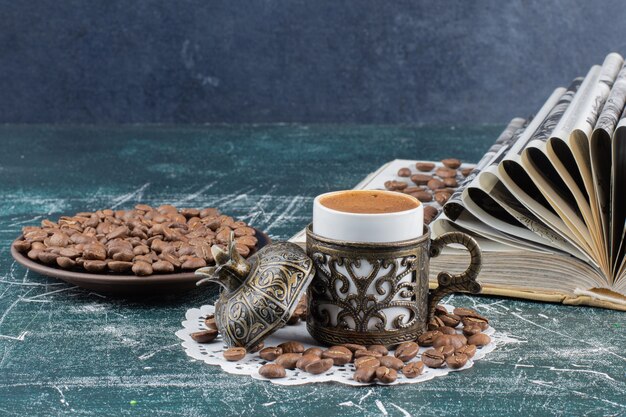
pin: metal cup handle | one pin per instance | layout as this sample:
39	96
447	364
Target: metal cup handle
448	283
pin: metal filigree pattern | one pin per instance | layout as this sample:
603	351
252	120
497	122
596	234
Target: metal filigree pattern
378	293
278	275
367	293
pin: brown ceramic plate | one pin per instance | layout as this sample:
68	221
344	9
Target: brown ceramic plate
122	284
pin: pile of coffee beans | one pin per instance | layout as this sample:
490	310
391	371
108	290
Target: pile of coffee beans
142	241
430	184
447	348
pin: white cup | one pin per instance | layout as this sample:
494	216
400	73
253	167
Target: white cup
368	227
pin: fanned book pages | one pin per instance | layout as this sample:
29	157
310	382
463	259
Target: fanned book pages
547	202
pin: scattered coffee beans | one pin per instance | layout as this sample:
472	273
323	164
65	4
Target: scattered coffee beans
339	354
456	361
469	350
305	360
270	353
378	348
272	370
479	340
144	240
234	354
354	347
406	351
386	375
314	351
413	369
292	347
433	358
365	375
391	362
288	360
366	361
319	366
204	336
361	353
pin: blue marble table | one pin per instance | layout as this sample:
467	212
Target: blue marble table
66	351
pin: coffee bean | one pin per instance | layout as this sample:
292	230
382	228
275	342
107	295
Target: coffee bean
479	340
435	323
366	361
365	375
462	312
430	213
314	351
451	320
435	184
471	330
433	358
319	366
395	185
469	350
450	182
378	348
451	163
141	268
442	197
94	266
69	253
413	369
292	347
446	350
443	172
386	375
209	322
306	360
454	340
354	347
410	190
339	354
21	245
95	252
193	263
362	353
423	196
483	323
446	330
65	262
427	338
270	353
391	362
456	361
424	166
204	336
162	267
272	371
288	360
404	172
421	179
406	351
234	354
119	266
440	310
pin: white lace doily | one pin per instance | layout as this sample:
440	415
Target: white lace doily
211	353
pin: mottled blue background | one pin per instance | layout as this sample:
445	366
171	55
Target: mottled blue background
193	61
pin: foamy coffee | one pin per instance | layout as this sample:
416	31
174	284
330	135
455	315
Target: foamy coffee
369	202
367	216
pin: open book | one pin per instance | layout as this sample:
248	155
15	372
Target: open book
547	203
